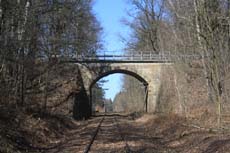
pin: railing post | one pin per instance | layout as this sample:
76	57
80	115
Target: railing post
150	56
141	55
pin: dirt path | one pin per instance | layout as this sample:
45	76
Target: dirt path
109	137
122	133
77	140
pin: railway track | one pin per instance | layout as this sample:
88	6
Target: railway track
87	149
102	130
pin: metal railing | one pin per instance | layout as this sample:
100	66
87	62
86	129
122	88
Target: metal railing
134	57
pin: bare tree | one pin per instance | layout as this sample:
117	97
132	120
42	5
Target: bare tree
33	35
172	27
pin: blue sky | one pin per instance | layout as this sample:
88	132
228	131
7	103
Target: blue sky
109	13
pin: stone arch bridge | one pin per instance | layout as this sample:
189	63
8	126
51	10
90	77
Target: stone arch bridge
149	74
147	68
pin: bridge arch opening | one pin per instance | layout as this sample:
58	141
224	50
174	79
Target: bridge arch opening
127	72
143	84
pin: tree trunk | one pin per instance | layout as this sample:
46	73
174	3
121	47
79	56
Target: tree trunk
46	92
203	49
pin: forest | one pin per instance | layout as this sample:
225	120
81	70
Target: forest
194	27
37	91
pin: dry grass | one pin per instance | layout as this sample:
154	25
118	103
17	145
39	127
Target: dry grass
177	134
22	130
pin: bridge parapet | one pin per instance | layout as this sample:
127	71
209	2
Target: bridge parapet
145	57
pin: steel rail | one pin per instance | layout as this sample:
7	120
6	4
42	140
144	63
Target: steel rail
92	140
87	149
